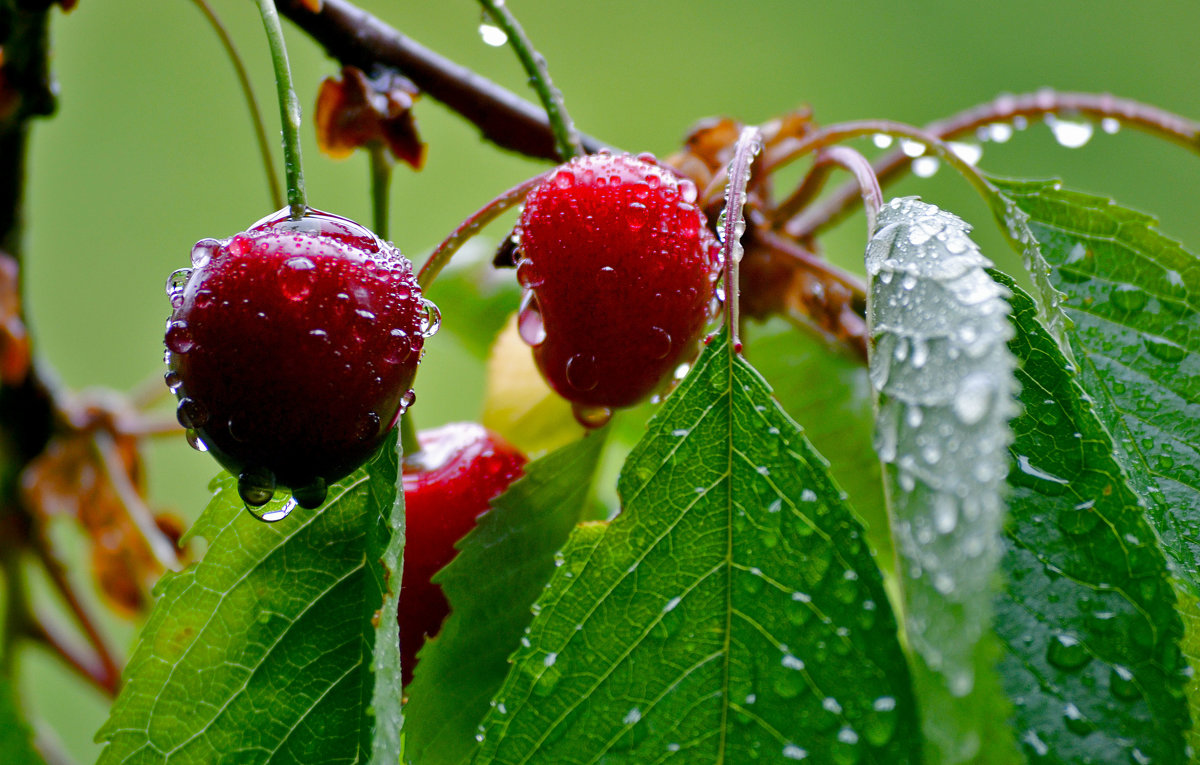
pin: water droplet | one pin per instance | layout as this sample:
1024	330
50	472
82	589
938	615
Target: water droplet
176	283
973	398
636	215
1069	133
1164	350
793	752
591	417
925	167
1123	685
581	372
1110	125
430	318
945	513
191	413
1067	653
399	348
492	35
658	343
275	514
1127	297
173	380
203	251
1075	720
970	153
256	486
999	132
179	337
408	399
529	320
296	278
882	140
311	496
880	724
911	148
194	441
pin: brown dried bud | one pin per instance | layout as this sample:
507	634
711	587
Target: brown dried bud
356	111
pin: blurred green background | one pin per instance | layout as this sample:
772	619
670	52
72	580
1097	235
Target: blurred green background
152	150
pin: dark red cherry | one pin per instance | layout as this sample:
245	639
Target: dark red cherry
619	271
292	348
447	485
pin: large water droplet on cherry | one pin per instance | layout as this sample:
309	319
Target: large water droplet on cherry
430	318
591	417
581	372
529	320
256	486
179	337
296	278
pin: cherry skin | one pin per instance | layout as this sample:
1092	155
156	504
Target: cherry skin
447	485
292	348
619	270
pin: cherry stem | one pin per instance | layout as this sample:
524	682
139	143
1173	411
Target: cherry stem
471	226
381	176
1149	119
409	444
260	131
731	226
289	110
566	138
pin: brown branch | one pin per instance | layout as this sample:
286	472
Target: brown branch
1149	119
356	38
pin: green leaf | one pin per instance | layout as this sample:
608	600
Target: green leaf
501	568
730	613
16	740
1088	618
828	393
1134	298
945	382
278	645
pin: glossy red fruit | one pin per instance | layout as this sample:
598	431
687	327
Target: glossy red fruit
292	348
619	270
447	485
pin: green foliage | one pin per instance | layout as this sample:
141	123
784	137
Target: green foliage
731	612
492	583
1134	298
16	740
1092	654
278	646
945	383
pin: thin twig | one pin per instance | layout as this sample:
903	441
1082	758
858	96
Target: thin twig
355	37
733	225
58	577
260	131
1157	122
864	176
93	669
160	547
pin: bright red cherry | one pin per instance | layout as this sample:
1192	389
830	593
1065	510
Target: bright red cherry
447	485
292	348
619	271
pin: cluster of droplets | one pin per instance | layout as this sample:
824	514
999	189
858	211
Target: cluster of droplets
1069	132
944	376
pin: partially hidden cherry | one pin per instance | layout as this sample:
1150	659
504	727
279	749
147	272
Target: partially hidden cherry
448	484
619	271
292	348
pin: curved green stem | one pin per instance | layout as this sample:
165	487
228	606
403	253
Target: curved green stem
289	110
408	436
381	176
260	131
566	137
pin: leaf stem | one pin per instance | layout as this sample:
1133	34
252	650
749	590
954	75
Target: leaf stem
566	138
260	131
289	110
381	176
732	225
471	226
